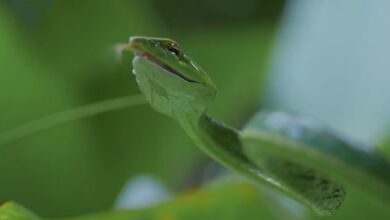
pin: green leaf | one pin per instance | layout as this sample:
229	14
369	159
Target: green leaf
227	200
13	211
314	161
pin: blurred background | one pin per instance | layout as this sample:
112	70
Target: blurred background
328	60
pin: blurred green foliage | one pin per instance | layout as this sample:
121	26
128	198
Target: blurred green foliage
56	55
203	13
233	199
226	200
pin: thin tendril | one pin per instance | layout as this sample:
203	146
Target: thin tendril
66	116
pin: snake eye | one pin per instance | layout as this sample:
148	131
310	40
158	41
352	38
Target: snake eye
174	49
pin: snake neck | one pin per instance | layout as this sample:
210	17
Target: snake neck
219	141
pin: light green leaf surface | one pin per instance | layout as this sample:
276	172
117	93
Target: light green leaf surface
13	211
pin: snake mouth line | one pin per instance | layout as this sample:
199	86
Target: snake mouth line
164	66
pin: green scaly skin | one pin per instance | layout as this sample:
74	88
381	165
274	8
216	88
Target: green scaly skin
289	153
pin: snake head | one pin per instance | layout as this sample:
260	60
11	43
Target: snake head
170	80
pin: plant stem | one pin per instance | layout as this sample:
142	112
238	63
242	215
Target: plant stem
66	116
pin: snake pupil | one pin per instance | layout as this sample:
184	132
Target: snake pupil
174	49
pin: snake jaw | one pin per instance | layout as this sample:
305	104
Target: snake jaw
161	64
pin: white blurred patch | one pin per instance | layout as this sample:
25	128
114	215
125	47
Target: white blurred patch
335	68
141	191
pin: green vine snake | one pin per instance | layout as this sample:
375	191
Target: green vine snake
293	154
